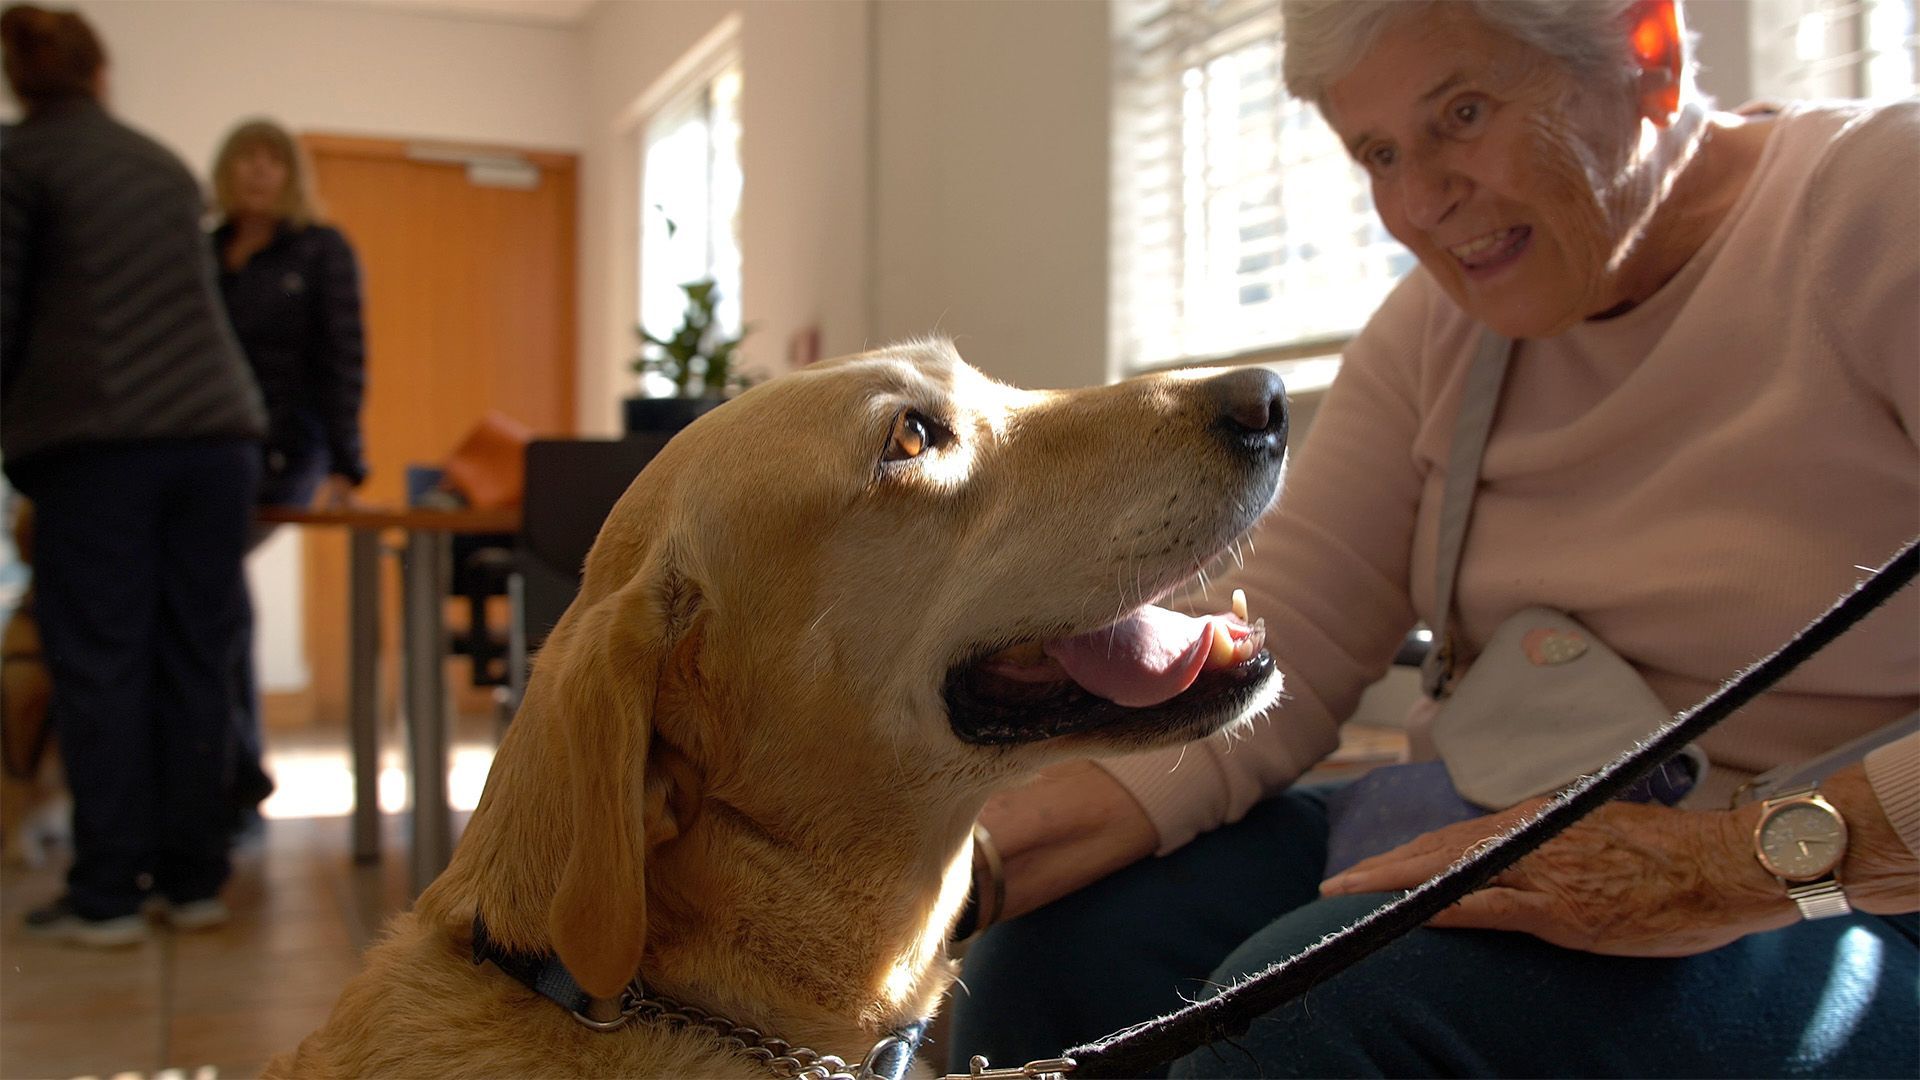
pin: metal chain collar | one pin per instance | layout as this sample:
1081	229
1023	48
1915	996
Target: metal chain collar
783	1059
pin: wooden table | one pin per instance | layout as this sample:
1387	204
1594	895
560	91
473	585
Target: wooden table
425	574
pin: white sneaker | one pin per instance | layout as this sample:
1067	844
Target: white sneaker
59	922
197	914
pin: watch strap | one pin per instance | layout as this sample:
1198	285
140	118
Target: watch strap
1821	899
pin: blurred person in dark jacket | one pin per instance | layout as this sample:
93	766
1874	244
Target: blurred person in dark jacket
128	415
292	290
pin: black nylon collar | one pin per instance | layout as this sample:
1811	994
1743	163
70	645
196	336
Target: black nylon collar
544	975
890	1058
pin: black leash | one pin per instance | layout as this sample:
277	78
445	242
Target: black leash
1138	1049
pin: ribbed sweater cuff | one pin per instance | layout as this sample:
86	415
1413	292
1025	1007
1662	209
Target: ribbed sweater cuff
1894	772
1178	786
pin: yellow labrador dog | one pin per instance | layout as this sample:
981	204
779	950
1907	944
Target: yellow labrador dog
819	629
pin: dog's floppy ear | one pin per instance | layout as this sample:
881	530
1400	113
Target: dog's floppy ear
608	680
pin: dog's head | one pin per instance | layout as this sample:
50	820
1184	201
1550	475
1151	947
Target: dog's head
891	572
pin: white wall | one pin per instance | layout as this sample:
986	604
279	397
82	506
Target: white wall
184	71
992	177
1724	51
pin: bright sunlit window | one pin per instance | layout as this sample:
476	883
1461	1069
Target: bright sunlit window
1835	49
690	200
1240	225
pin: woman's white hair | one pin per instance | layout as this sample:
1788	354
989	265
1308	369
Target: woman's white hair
1325	38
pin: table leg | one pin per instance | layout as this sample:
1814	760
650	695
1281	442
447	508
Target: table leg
426	584
363	696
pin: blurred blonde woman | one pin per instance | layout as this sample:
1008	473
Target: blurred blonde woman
292	288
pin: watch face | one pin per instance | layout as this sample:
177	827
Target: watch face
1802	841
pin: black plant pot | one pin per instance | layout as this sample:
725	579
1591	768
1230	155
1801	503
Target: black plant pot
653	416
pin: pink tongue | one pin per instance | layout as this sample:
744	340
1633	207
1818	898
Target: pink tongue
1145	659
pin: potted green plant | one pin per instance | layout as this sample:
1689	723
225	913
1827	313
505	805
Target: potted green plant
698	363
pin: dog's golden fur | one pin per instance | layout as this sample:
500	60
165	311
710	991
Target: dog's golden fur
733	771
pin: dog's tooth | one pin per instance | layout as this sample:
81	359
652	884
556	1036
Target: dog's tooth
1246	645
1240	604
1220	652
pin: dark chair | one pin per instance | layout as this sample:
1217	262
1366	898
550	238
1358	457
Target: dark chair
483	567
572	484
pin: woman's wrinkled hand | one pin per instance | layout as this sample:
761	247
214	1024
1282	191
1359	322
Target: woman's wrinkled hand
1070	826
1627	880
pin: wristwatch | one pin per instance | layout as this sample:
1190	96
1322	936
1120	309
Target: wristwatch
1801	839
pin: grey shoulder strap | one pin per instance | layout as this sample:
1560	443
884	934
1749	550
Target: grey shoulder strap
1478	401
1813	770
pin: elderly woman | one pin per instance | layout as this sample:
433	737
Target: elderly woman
1708	424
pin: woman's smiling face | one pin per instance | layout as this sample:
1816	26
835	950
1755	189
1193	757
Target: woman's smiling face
1510	181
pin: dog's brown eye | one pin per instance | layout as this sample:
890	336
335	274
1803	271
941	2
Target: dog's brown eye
910	437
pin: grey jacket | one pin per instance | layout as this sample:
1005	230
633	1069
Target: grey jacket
111	326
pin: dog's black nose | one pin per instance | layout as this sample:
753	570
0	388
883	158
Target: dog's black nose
1251	404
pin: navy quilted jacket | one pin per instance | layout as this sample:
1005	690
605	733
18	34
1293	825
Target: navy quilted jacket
111	326
296	308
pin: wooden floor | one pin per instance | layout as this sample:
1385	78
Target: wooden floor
214	1003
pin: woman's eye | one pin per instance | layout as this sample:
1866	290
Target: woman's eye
1466	113
912	434
1379	157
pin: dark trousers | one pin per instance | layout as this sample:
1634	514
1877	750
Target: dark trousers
1838	997
142	603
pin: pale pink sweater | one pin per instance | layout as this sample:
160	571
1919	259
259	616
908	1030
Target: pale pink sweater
1693	481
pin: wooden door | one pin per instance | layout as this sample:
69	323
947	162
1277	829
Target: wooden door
469	294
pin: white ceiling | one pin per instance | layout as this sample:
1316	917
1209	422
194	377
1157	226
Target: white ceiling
547	12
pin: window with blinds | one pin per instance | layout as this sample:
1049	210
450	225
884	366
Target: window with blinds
1240	226
1834	49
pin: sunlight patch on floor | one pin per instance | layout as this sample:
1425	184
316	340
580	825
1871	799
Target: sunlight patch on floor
311	783
1844	1003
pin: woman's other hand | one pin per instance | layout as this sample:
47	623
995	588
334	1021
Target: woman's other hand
1636	880
1627	880
334	493
1070	826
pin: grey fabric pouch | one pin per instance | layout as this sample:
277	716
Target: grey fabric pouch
1545	703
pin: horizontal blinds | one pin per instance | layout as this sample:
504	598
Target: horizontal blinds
1239	222
1834	49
